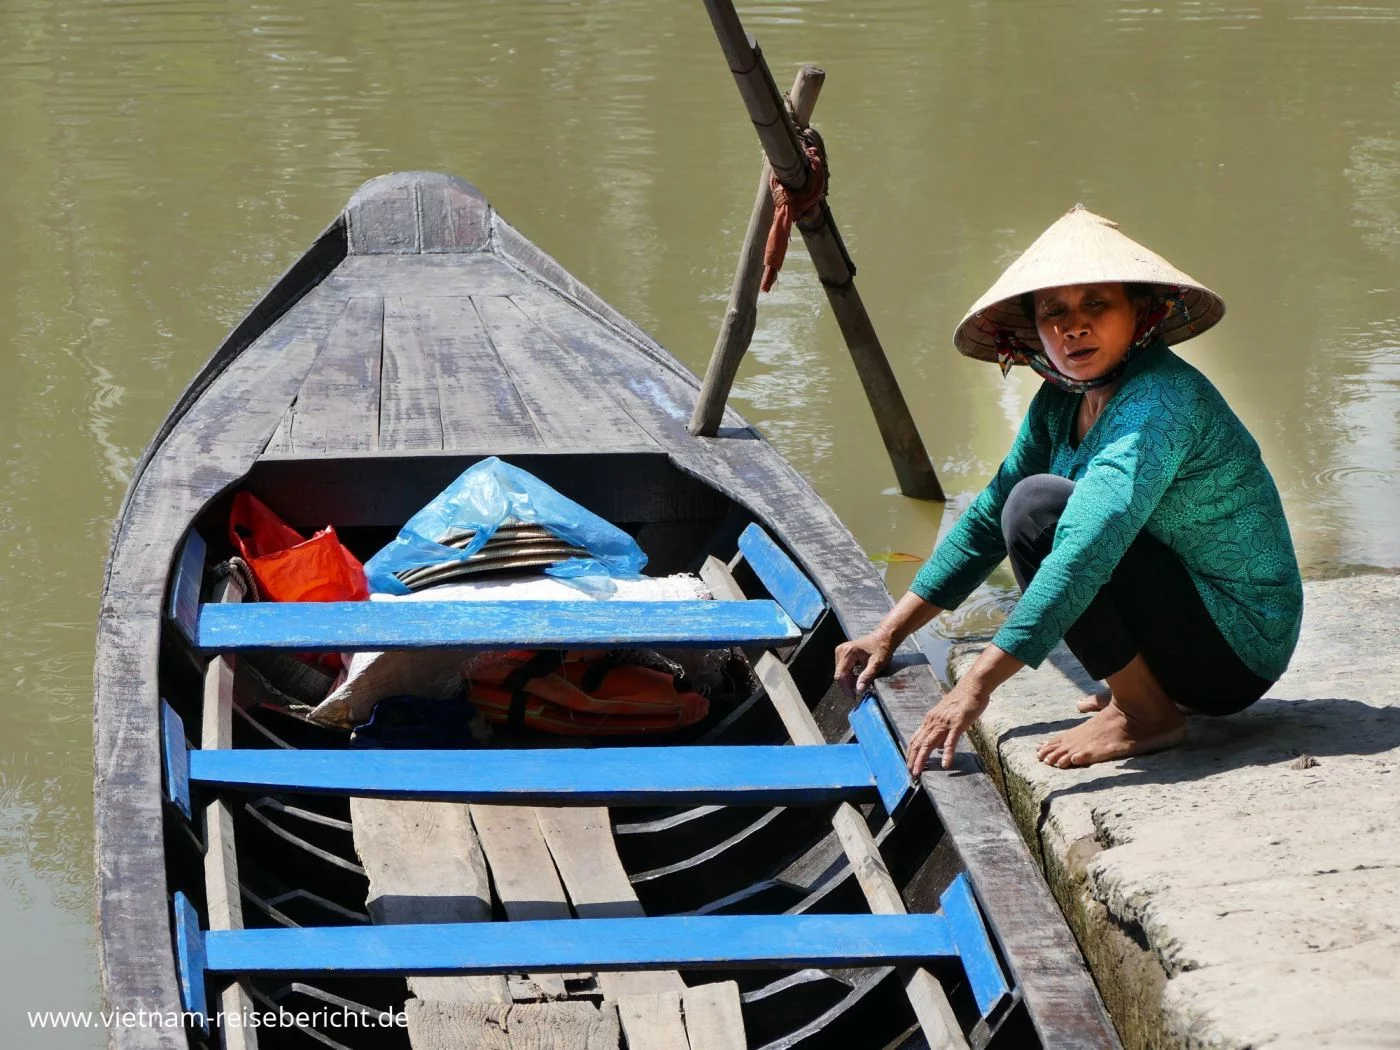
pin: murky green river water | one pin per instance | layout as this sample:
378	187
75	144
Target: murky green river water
163	161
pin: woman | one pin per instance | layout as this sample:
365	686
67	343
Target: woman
1142	525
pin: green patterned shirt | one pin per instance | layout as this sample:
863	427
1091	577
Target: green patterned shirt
1167	455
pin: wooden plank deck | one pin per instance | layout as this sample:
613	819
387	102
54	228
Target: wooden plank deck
425	864
337	409
713	1017
526	883
425	276
581	844
585	853
426	370
569	404
436	862
512	1026
653	1022
478	400
409	417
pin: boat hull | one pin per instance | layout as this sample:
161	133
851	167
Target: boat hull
420	334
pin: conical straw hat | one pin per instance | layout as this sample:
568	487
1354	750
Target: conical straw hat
1080	248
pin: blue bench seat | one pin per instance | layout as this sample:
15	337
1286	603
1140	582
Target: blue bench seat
584	624
554	946
869	770
357	626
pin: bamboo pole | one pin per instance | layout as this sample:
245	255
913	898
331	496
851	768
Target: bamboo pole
778	135
736	330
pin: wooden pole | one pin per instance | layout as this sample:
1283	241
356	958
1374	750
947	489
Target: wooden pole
737	328
778	135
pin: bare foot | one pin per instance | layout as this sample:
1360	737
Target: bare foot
1096	701
1112	733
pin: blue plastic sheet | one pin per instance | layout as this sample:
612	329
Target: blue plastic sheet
484	497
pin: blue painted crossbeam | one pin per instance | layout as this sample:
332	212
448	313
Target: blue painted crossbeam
617	776
688	776
668	942
356	626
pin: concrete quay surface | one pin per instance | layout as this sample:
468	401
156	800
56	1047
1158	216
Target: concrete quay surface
1242	890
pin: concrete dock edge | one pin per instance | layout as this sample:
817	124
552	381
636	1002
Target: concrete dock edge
1242	890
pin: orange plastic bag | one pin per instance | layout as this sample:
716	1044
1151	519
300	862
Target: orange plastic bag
289	568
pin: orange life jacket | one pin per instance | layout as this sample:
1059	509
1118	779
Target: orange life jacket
581	693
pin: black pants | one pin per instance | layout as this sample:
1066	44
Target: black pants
1148	606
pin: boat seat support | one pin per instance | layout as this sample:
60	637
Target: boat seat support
787	583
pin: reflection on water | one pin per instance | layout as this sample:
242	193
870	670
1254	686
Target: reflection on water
164	161
1374	172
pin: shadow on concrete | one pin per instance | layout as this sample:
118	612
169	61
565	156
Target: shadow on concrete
1272	732
1042	728
1068	665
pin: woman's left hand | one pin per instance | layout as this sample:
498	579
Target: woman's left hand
945	722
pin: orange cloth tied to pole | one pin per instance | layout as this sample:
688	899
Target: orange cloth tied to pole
788	207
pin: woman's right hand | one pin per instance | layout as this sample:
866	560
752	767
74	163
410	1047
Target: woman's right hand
858	662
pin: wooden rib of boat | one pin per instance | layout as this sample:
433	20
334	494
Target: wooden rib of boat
420	334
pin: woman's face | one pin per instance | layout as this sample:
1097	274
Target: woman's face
1086	329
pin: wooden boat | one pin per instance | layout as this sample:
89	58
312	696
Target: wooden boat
420	334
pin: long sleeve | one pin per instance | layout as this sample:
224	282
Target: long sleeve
975	545
1149	437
